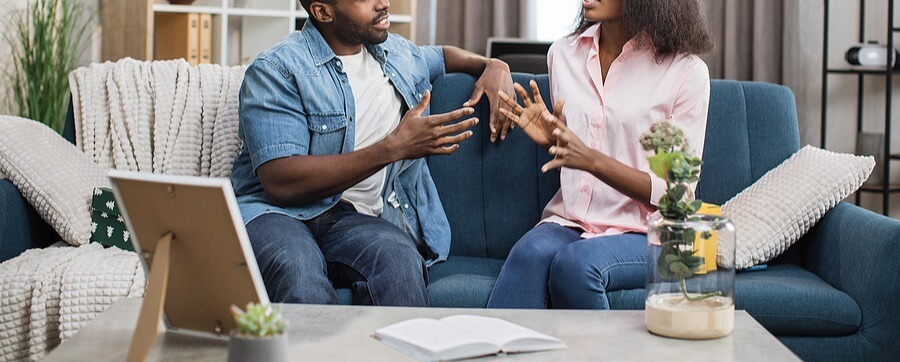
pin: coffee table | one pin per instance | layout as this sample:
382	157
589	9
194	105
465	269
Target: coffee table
343	333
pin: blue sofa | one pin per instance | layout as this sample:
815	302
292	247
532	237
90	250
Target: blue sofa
832	296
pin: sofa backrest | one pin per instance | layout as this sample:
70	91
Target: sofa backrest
494	193
752	128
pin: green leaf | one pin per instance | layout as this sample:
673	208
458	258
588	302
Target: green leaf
661	163
677	192
671	258
681	270
696	205
664	272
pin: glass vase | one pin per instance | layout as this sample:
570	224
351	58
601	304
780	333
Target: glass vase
690	277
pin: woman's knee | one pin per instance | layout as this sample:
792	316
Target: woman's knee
573	266
534	250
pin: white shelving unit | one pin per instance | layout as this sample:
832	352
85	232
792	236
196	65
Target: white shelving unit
244	28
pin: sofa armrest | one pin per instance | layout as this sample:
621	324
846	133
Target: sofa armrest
858	252
20	226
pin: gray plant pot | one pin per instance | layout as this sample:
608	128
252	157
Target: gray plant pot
247	349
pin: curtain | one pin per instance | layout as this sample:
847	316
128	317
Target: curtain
469	23
749	39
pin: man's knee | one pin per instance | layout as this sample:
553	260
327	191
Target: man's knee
391	239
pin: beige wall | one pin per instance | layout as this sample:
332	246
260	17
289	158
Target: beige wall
802	73
5	9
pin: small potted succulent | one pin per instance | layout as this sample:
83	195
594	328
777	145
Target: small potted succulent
690	282
260	334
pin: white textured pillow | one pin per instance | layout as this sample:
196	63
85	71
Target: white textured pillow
773	213
54	176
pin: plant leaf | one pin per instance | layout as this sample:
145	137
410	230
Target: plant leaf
661	163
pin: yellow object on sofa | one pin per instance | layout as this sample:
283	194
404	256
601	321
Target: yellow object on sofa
707	248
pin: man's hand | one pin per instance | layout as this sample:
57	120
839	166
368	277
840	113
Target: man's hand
534	119
493	80
419	136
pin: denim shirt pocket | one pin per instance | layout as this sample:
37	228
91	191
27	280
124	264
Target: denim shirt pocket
420	87
326	133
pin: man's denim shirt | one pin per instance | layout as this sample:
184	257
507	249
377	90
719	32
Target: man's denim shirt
296	100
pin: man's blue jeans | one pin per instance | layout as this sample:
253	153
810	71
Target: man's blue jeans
303	262
552	261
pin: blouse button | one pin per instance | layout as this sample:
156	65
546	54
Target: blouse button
585	189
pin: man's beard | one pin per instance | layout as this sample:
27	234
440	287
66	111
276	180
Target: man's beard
350	33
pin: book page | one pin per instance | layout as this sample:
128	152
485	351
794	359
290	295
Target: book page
510	337
428	339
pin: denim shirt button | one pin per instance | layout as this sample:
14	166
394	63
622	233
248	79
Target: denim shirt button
324	127
405	206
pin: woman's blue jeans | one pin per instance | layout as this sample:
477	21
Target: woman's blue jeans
303	262
551	266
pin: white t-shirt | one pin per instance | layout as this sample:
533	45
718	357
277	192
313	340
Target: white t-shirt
378	107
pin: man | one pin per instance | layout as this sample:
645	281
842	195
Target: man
331	181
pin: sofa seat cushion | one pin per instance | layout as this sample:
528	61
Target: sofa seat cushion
786	299
462	282
459	282
790	300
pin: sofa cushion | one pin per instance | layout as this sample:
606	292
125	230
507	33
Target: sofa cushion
52	174
462	282
790	300
779	208
786	299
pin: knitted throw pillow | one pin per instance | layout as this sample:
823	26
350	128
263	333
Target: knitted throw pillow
773	213
54	177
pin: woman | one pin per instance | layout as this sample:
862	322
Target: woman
629	64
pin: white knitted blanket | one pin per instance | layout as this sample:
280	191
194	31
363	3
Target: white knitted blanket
48	294
162	117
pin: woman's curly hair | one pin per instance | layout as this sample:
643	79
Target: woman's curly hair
673	27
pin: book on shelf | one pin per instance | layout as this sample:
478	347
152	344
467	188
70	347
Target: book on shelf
205	38
178	36
463	336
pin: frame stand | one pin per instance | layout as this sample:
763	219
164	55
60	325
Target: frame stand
150	317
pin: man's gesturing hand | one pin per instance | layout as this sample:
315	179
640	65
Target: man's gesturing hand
493	80
419	136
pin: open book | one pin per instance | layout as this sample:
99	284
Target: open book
463	336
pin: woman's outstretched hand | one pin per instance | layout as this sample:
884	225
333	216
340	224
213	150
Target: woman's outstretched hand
570	152
534	118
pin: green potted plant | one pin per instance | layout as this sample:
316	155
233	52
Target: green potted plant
45	41
690	285
260	335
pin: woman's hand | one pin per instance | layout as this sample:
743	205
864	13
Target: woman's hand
534	119
570	152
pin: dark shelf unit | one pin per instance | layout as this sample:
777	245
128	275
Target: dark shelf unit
886	189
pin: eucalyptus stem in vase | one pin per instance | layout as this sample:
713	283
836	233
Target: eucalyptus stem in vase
673	162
